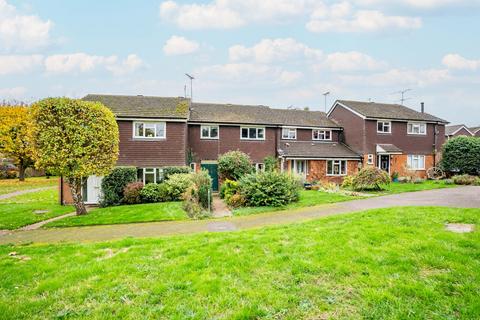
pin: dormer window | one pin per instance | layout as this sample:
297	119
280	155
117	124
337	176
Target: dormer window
417	128
384	127
289	133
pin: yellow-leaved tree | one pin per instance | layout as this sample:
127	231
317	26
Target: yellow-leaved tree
15	123
75	139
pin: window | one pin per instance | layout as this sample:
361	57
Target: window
336	167
289	133
300	167
417	128
259	167
252	133
384	126
416	162
321	134
154	130
370	159
209	132
150	175
193	167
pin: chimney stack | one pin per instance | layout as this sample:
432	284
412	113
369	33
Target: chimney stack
422	107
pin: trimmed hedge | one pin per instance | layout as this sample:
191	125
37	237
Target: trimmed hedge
462	155
114	183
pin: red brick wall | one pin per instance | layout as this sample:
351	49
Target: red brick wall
317	170
398	163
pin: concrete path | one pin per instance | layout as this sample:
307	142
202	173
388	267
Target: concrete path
220	209
18	193
464	197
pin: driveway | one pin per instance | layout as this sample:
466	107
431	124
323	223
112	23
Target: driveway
463	197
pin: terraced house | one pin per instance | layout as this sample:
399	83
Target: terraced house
156	132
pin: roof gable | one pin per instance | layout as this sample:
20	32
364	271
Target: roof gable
452	130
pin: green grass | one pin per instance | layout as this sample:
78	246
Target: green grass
396	187
125	214
12	185
19	211
382	264
308	198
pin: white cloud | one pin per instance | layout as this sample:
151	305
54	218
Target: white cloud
421	4
456	61
289	77
400	77
237	71
19	31
179	45
13	93
12	64
82	62
350	61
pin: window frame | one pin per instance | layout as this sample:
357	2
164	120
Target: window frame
411	158
256	133
383	126
157	174
209	126
290	130
419	124
259	167
193	167
324	134
339	163
294	167
149	123
370	159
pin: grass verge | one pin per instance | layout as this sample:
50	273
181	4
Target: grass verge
12	185
381	264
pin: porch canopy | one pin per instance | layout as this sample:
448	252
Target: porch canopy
388	149
316	150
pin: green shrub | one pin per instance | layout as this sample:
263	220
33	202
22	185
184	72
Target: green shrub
152	192
198	196
270	163
370	178
347	182
114	183
464	179
177	184
234	164
131	193
269	189
448	181
462	155
169	171
228	189
236	201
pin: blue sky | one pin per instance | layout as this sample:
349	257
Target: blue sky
273	52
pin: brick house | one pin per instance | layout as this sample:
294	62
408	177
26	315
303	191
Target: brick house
458	130
475	131
391	136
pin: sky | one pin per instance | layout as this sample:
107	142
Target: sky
280	53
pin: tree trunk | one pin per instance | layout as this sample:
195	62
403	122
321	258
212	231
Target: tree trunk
76	189
21	171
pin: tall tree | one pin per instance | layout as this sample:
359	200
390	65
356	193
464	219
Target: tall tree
15	123
75	139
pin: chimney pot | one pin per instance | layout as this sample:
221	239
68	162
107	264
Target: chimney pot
422	107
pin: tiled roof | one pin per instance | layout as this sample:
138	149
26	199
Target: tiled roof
474	129
451	130
143	106
248	114
306	149
389	148
388	111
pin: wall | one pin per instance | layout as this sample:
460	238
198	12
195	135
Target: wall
306	135
353	126
317	170
152	153
398	164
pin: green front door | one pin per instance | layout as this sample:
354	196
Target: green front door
212	169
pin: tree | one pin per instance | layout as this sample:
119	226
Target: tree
75	139
234	164
15	123
462	155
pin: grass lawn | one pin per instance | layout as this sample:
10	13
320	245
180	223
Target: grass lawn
126	214
396	187
19	211
12	185
382	264
308	198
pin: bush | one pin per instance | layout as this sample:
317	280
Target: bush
131	193
347	182
236	201
170	171
177	184
462	155
228	189
233	165
270	163
370	178
448	181
269	189
464	179
198	197
114	183
152	192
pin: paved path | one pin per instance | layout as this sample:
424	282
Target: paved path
220	209
18	193
466	197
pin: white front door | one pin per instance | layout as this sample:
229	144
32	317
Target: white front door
300	168
94	189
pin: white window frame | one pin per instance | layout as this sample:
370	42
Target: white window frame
295	167
419	125
415	157
339	163
259	167
384	122
193	167
256	134
370	159
320	132
288	136
150	123
209	127
155	170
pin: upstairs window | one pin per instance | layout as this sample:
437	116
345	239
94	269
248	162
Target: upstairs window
289	133
417	128
209	132
152	130
252	133
384	127
336	167
321	134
